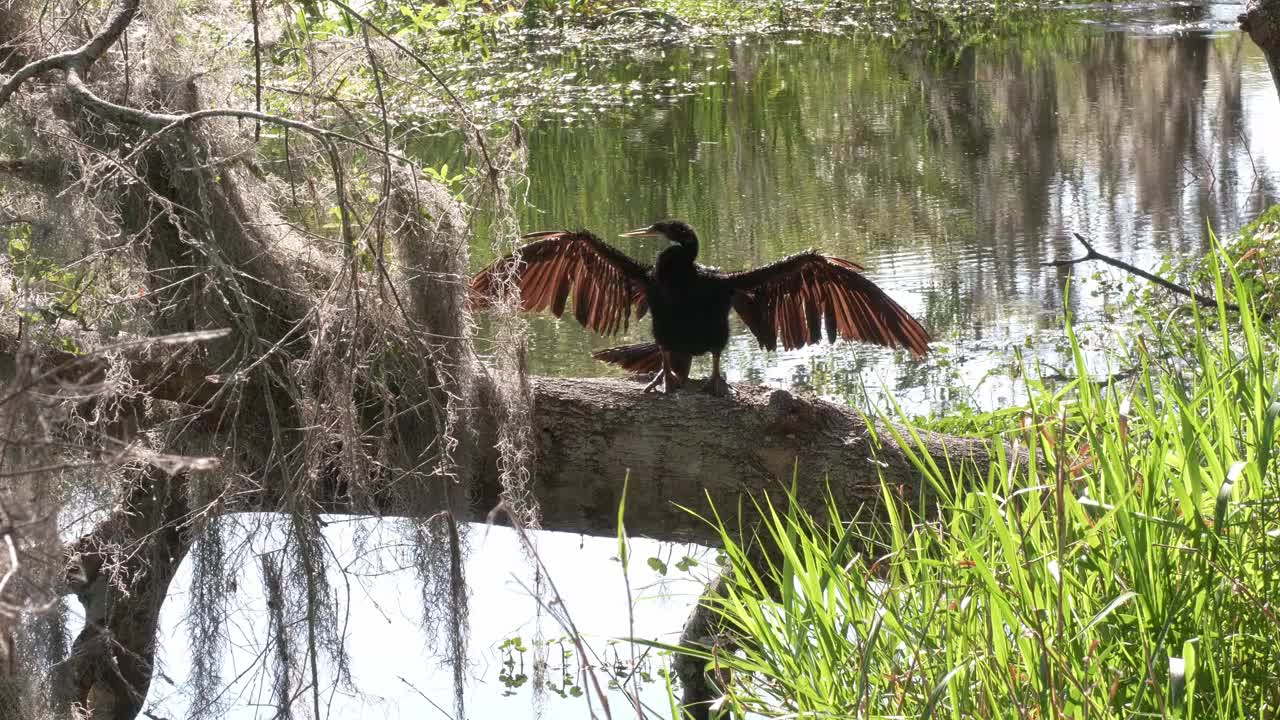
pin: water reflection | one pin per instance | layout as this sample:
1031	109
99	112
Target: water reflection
951	181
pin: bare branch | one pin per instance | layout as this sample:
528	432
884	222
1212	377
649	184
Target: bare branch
493	173
79	59
257	68
1091	253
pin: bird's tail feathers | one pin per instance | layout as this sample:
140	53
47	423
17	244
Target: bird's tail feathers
644	359
637	358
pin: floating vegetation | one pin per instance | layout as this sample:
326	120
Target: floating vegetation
560	61
562	65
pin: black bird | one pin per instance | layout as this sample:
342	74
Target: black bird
793	300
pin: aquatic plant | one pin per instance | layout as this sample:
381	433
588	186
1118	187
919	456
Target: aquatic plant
1120	557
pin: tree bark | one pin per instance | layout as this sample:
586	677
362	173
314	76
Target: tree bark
113	658
690	448
1261	19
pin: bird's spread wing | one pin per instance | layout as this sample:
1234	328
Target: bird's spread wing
798	297
606	284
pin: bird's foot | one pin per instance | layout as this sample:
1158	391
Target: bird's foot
664	381
717	386
657	380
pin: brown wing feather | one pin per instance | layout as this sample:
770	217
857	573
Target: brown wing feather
795	299
606	285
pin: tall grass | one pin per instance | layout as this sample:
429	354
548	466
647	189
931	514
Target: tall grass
1118	560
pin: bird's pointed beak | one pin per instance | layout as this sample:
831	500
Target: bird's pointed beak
641	232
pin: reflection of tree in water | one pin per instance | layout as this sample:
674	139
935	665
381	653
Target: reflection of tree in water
1108	134
951	178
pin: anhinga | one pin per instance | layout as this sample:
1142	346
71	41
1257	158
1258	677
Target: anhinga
793	300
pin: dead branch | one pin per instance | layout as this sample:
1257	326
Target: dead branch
75	61
1092	253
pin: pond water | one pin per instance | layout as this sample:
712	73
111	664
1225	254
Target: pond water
951	179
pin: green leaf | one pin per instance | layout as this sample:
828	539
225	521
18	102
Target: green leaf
1189	672
1111	607
936	694
1224	497
1177	680
622	529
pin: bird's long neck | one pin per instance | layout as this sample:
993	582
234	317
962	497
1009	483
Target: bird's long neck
677	259
686	251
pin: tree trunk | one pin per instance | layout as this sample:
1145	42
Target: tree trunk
1261	19
113	657
688	448
679	450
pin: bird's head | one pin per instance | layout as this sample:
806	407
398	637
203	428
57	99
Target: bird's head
676	231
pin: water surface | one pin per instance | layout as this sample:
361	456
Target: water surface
951	179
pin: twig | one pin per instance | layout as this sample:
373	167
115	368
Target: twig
561	615
1092	254
1245	142
174	339
124	49
380	214
288	166
14	562
493	173
257	69
424	697
624	556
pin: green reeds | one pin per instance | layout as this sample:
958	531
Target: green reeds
1118	559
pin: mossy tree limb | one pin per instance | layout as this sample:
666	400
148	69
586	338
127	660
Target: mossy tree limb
680	451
